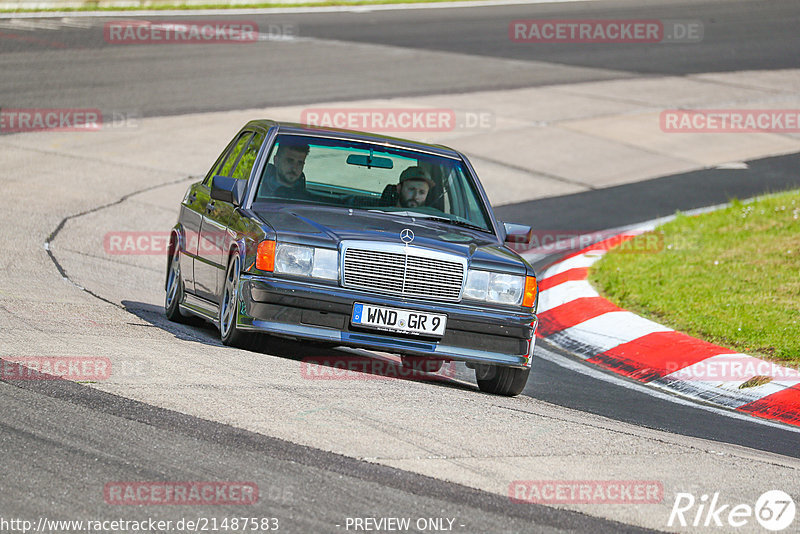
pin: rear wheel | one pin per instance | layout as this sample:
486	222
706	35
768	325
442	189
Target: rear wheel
500	380
229	307
425	365
174	287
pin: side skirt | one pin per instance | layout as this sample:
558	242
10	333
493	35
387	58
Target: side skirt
205	309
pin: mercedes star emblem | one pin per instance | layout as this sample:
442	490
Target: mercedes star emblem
406	236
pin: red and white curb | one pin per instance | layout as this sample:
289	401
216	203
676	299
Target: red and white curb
573	316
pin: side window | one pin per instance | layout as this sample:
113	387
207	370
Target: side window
233	155
217	166
248	158
455	195
474	212
227	158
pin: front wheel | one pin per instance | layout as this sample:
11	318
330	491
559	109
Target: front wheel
229	307
500	380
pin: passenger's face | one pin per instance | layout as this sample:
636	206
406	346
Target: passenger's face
289	165
413	193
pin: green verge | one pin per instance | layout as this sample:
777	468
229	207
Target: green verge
730	277
93	6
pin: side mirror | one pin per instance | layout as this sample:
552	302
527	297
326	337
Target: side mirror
228	189
517	235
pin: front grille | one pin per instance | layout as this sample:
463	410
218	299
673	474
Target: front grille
410	273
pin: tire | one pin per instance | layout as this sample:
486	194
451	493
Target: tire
229	307
422	364
174	287
501	380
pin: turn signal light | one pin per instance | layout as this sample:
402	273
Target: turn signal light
265	257
530	292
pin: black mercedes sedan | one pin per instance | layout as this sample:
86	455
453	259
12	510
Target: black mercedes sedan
359	240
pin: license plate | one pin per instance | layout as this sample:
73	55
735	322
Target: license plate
399	320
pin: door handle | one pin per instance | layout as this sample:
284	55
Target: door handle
191	198
210	207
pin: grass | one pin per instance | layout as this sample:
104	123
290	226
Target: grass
730	277
93	6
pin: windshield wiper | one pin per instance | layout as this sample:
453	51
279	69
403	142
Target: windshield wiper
459	222
438	218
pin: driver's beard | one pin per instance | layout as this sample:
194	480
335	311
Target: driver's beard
284	182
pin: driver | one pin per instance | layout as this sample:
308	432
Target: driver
414	186
285	177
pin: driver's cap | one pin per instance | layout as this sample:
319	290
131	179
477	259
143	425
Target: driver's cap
416	173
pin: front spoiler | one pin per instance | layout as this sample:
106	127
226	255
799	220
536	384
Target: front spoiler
306	310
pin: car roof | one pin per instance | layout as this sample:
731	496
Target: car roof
335	133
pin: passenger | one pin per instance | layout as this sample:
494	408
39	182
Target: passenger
414	186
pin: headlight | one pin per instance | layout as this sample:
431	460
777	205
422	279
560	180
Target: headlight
326	264
494	287
298	260
477	285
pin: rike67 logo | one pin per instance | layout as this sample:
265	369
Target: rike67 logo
774	510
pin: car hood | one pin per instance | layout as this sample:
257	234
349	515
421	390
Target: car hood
325	226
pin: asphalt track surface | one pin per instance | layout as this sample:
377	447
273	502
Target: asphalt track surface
76	67
62	442
51	453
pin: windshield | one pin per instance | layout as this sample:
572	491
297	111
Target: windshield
361	175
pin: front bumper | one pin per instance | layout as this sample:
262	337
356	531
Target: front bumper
309	310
